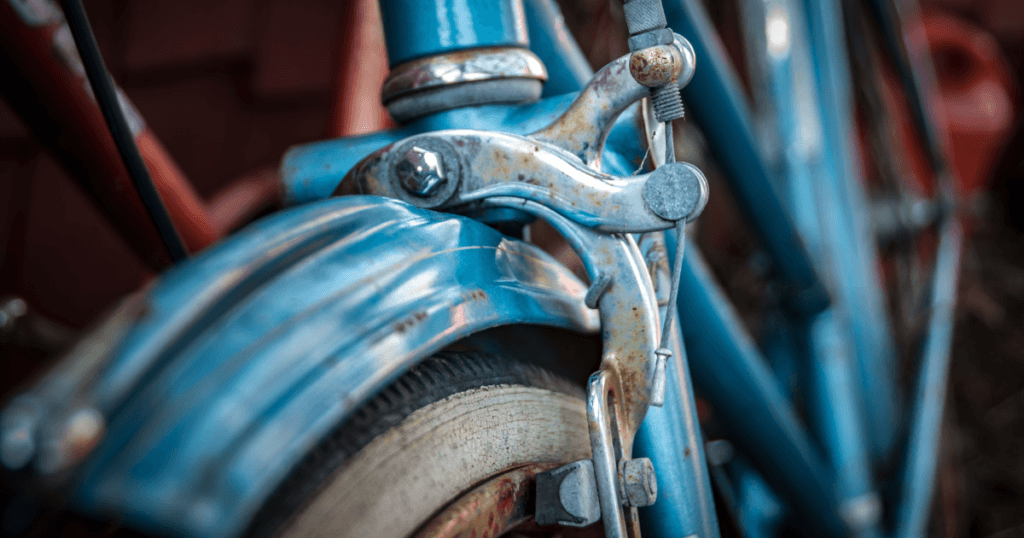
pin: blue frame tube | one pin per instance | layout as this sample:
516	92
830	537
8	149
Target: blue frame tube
848	237
716	101
550	39
836	418
417	28
731	372
918	474
833	399
670	436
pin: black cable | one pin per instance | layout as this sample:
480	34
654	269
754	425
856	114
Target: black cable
106	98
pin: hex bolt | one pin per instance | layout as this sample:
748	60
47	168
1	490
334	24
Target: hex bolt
421	172
638	486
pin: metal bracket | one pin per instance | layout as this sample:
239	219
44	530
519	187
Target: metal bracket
555	174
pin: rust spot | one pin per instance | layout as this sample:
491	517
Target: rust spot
410	321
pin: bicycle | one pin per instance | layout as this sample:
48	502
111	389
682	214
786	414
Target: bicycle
278	359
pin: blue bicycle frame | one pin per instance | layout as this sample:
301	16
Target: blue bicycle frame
811	212
825	474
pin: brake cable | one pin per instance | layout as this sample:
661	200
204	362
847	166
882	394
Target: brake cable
106	99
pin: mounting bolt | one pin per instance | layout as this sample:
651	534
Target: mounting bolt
421	172
638	486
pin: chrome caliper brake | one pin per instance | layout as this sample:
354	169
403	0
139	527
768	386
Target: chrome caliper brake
555	174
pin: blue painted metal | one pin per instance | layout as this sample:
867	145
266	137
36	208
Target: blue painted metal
833	413
715	99
759	510
249	353
550	39
917	480
833	402
733	375
778	342
847	233
670	436
417	28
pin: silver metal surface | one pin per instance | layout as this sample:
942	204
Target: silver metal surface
605	455
658	385
668	103
463	78
618	394
628	312
581	130
651	62
421	171
676	191
501	164
643	15
537	167
638	486
663	36
568	496
555	174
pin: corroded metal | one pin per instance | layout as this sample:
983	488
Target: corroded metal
490	510
501	164
637	484
581	130
555	174
656	66
537	168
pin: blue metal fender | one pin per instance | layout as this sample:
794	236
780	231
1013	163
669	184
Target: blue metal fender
250	353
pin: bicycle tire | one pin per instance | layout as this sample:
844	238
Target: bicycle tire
452	421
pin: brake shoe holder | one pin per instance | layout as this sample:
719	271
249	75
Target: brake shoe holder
555	174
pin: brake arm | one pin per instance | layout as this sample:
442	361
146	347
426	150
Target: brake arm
555	174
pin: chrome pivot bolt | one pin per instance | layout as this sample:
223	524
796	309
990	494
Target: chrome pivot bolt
421	172
638	485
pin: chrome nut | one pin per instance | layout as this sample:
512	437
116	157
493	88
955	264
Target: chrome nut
638	486
656	66
421	172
